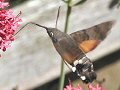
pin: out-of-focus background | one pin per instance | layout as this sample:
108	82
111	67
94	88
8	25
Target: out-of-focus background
32	62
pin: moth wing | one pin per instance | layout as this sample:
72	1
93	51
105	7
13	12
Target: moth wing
88	39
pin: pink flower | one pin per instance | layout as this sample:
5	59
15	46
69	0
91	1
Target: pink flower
90	87
95	88
8	25
3	4
70	87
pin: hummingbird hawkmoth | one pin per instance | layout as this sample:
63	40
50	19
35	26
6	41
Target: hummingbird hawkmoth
73	47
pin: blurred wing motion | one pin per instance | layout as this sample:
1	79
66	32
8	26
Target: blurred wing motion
88	39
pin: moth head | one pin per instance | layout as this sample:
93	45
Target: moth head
55	34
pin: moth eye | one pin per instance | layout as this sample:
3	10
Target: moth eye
51	34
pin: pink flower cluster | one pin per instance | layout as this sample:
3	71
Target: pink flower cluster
8	25
90	87
70	87
3	4
98	87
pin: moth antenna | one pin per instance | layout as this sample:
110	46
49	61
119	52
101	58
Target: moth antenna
58	13
30	23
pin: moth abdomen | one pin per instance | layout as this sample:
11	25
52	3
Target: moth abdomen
84	69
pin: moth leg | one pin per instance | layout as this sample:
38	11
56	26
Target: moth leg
72	68
69	66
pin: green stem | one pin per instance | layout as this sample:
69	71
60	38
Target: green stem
62	75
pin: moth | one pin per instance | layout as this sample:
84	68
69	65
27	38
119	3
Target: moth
73	47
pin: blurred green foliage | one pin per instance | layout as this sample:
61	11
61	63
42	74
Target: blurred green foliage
80	2
15	2
74	2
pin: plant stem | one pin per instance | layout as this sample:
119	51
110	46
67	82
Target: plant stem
62	75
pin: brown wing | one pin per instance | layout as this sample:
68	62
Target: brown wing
88	39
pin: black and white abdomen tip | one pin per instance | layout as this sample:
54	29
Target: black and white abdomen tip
84	69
